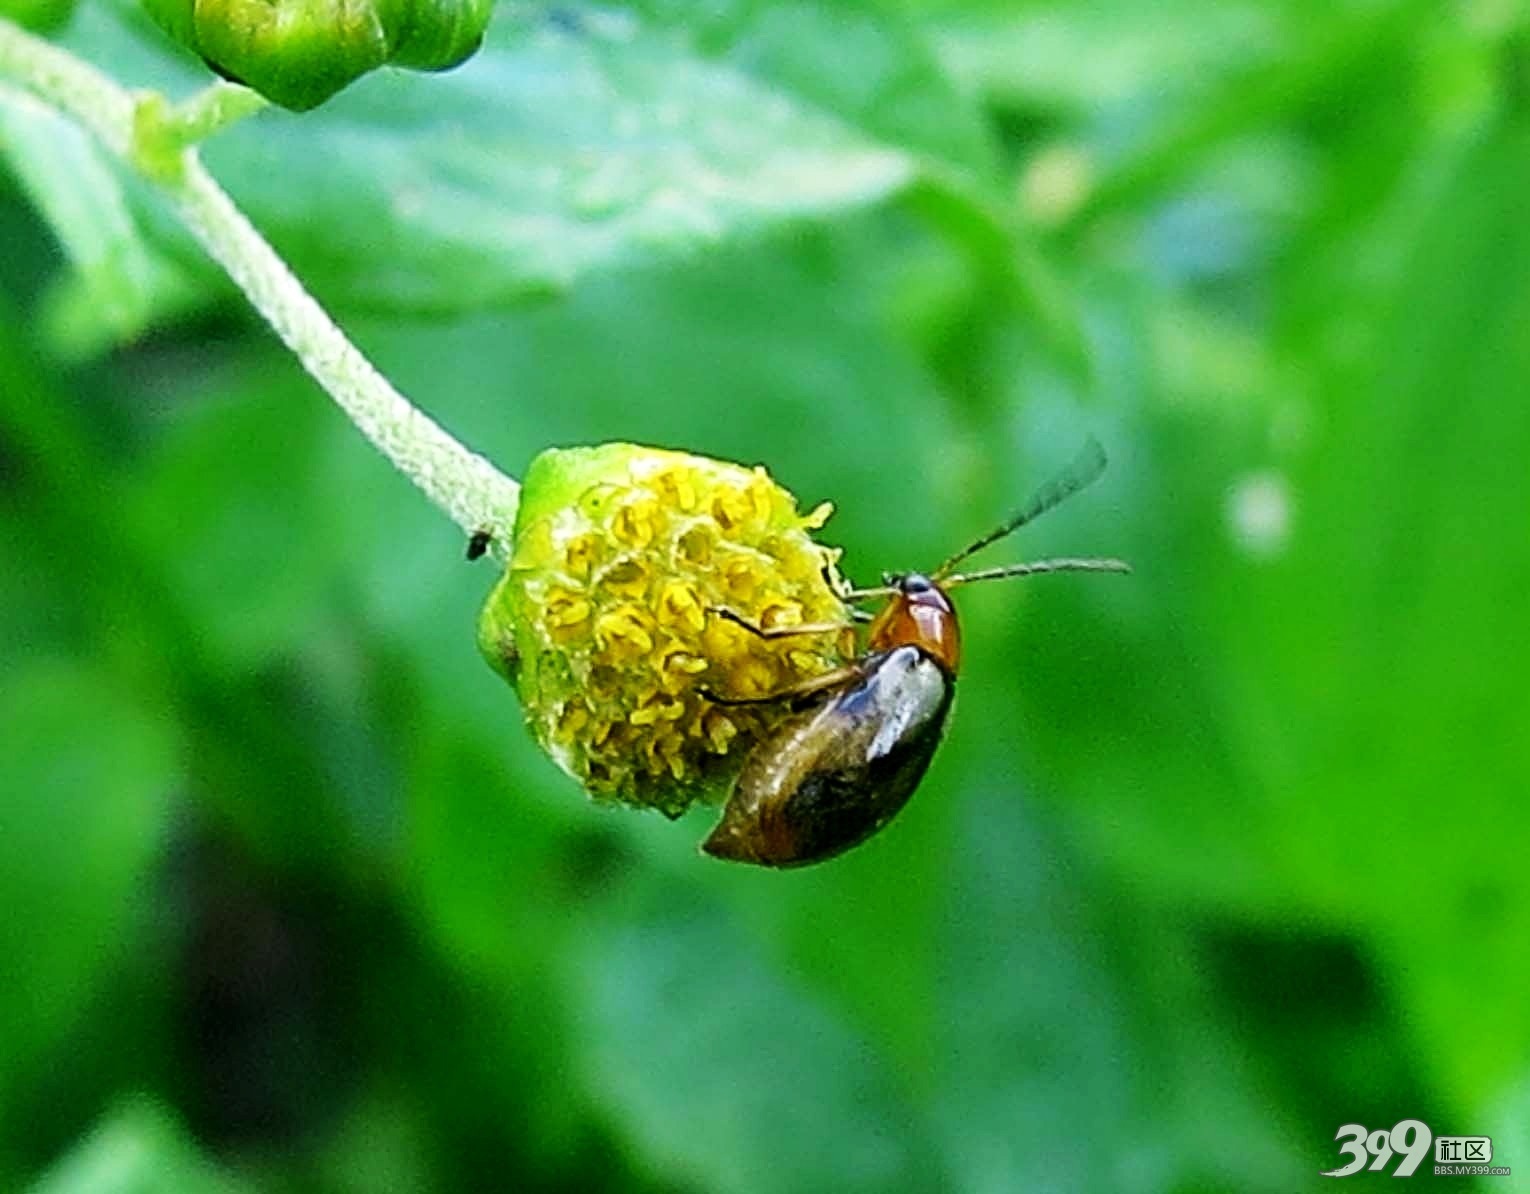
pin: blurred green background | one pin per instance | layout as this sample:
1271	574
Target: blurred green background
1215	859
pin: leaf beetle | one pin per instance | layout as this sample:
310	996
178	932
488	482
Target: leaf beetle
862	736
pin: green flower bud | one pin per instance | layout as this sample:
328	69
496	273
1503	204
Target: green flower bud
298	53
605	618
441	33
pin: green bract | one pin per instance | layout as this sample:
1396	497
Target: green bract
298	53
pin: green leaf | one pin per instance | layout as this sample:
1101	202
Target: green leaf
565	145
39	15
137	1149
574	143
554	151
122	282
1327	724
1413	521
120	37
230	512
87	775
729	1076
867	62
1040	1041
1085	58
31	594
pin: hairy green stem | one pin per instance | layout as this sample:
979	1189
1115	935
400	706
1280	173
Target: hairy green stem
72	86
153	139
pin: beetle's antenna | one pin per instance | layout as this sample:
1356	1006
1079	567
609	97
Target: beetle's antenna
1062	564
1086	468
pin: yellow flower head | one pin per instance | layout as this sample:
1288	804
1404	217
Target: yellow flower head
605	618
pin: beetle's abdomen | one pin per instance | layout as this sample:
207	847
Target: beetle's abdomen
834	775
835	810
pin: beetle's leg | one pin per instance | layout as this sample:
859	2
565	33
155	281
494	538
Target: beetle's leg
843	589
738	619
868	594
802	688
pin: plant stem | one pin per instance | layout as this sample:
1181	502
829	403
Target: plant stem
466	486
213	109
72	86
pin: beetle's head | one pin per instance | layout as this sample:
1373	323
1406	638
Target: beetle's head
908	584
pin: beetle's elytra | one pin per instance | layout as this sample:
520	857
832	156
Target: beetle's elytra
849	759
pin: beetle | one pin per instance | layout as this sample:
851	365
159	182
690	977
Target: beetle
862	736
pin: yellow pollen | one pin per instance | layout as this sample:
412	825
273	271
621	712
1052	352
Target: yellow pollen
623	630
627	578
818	516
566	609
805	663
575	716
649	710
636	522
776	614
741	577
675	489
680	607
753	677
694	546
684	662
720	730
582	554
731	509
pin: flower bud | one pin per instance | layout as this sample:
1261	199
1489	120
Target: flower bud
606	617
298	53
441	33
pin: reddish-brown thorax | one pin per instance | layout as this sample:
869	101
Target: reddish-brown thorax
919	615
